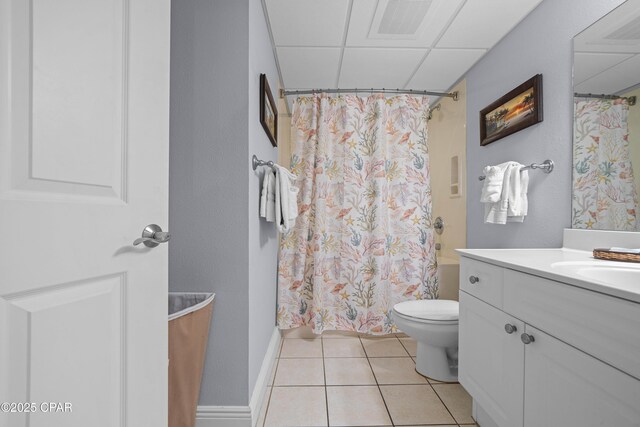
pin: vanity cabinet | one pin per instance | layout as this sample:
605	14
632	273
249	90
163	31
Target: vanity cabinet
566	387
544	353
491	360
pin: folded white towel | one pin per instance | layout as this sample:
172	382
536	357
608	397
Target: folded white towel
492	187
518	202
625	250
268	196
512	205
514	201
286	199
496	212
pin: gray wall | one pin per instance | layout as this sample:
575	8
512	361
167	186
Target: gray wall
209	207
263	239
540	44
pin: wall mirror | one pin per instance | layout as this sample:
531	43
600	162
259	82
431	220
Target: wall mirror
606	131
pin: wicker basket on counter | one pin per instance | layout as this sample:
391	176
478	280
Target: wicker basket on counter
616	256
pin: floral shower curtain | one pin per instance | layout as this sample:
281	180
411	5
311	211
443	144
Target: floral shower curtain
604	195
363	240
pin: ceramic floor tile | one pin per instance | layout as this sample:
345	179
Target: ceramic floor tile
383	347
348	371
297	407
300	372
348	347
301	348
457	400
339	334
301	332
415	404
410	345
356	406
396	370
373	337
272	374
402	335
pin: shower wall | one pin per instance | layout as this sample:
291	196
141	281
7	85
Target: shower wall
447	145
448	139
284	134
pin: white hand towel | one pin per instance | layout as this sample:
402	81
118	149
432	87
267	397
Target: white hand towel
496	213
513	204
286	199
514	199
268	196
521	208
492	186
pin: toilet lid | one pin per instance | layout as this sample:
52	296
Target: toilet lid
442	310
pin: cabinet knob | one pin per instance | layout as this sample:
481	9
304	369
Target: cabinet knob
527	339
509	328
474	279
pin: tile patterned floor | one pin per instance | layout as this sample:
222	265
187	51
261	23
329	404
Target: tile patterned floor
340	379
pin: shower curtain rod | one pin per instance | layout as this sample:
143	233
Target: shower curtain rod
452	95
631	99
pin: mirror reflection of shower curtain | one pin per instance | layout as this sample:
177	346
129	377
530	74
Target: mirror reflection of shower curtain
604	193
364	238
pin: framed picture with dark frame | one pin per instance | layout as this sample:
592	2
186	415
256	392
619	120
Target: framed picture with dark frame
268	111
516	110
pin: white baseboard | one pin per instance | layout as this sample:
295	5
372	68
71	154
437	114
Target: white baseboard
260	389
480	416
243	416
223	416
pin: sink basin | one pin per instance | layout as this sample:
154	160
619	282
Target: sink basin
601	271
611	274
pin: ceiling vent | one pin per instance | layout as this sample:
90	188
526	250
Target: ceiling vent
399	19
629	31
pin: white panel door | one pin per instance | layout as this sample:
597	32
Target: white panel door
84	103
491	361
566	387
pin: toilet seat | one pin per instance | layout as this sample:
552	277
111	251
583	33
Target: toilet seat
429	311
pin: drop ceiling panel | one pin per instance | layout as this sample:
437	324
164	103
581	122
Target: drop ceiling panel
482	23
587	65
613	80
386	40
443	67
309	67
365	22
307	22
606	35
377	68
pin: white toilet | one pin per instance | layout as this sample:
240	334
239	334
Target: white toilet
434	325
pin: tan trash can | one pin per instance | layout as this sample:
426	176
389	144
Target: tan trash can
189	320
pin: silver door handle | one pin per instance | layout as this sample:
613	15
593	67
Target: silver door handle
152	236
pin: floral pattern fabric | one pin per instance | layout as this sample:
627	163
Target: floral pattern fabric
363	240
604	194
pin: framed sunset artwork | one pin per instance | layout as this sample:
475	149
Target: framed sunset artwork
516	110
268	111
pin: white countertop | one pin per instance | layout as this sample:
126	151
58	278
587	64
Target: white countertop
544	263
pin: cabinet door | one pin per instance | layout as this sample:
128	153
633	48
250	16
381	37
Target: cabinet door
491	361
566	387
